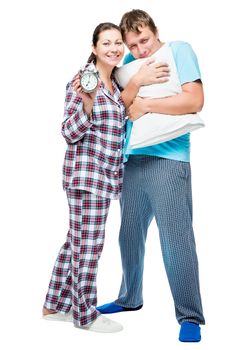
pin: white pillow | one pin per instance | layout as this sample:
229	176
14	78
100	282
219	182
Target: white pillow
154	128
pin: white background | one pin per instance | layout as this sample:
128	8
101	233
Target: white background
43	44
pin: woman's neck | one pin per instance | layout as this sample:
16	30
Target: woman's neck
105	75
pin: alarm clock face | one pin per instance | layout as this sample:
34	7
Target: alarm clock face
89	81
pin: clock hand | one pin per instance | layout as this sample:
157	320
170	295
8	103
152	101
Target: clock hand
88	82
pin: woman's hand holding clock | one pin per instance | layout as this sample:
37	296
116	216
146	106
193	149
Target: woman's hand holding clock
88	83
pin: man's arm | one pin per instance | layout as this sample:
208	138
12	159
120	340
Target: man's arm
190	100
149	73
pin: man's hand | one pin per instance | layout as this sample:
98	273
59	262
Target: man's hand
152	73
137	109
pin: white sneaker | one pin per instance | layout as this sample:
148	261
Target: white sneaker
103	325
57	316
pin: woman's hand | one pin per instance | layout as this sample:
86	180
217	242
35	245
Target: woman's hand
152	73
88	98
137	109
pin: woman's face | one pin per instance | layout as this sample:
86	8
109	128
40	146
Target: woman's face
110	48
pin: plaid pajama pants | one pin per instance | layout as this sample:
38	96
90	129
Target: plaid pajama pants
73	281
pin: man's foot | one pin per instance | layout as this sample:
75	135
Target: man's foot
112	308
190	332
103	325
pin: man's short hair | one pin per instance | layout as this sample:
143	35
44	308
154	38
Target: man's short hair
133	20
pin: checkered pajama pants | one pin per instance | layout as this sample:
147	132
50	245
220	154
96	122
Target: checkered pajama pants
73	281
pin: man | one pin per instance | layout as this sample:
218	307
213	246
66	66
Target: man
157	183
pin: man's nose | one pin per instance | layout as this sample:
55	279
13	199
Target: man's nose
141	50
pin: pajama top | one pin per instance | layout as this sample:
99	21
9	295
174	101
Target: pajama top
94	156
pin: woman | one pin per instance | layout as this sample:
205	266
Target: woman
93	128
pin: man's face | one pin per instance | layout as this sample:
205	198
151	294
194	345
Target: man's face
143	44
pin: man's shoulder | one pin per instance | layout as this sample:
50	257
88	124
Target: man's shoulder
128	58
179	45
186	61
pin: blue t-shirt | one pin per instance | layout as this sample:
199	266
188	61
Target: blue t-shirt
188	71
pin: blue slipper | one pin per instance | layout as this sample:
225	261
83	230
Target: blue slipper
112	308
190	332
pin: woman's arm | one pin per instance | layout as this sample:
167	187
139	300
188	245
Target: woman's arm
76	116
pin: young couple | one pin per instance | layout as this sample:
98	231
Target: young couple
154	182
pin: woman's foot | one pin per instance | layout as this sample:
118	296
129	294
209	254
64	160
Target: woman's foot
103	325
51	315
46	311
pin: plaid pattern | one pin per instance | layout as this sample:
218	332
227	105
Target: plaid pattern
73	282
94	157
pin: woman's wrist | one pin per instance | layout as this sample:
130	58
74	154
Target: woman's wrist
88	112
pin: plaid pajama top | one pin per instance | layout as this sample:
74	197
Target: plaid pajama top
94	157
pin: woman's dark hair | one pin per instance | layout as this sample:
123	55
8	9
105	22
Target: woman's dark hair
98	30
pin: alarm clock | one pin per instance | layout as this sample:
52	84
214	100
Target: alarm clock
88	80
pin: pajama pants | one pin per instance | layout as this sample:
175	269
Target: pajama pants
73	281
159	188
